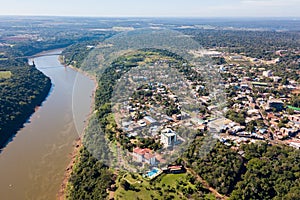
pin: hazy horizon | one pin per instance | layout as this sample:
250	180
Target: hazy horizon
155	8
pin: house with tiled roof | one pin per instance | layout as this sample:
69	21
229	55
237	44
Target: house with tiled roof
143	155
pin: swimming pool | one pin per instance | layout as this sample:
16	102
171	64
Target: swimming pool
152	172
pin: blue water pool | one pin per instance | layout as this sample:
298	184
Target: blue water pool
152	172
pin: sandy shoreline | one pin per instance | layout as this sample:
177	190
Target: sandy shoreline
62	190
78	142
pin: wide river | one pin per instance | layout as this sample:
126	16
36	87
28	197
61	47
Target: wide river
32	164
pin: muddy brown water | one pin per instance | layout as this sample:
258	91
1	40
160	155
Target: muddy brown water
32	164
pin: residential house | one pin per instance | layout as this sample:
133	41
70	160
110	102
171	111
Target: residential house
143	155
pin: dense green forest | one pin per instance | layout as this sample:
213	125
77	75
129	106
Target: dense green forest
272	172
89	179
256	44
76	53
21	90
257	171
221	168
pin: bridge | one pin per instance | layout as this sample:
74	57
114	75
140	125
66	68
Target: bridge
39	55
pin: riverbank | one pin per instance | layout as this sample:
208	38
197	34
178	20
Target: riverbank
47	140
24	110
68	171
78	143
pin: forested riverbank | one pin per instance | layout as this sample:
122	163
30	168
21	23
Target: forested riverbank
21	91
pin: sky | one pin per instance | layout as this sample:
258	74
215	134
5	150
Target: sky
153	8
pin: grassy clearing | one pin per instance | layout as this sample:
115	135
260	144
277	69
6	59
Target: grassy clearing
166	186
5	74
170	179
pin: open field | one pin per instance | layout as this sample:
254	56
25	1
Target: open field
166	186
5	74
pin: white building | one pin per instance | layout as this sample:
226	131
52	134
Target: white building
143	155
168	137
267	73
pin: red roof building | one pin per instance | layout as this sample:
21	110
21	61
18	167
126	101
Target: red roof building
144	155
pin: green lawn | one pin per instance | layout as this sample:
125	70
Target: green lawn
164	187
5	74
170	179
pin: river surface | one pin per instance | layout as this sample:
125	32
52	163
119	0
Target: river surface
32	164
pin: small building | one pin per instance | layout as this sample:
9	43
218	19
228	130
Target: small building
150	121
142	123
276	78
295	145
126	123
153	130
176	117
168	137
253	112
289	131
267	73
236	129
236	57
143	155
197	121
244	86
176	169
173	97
